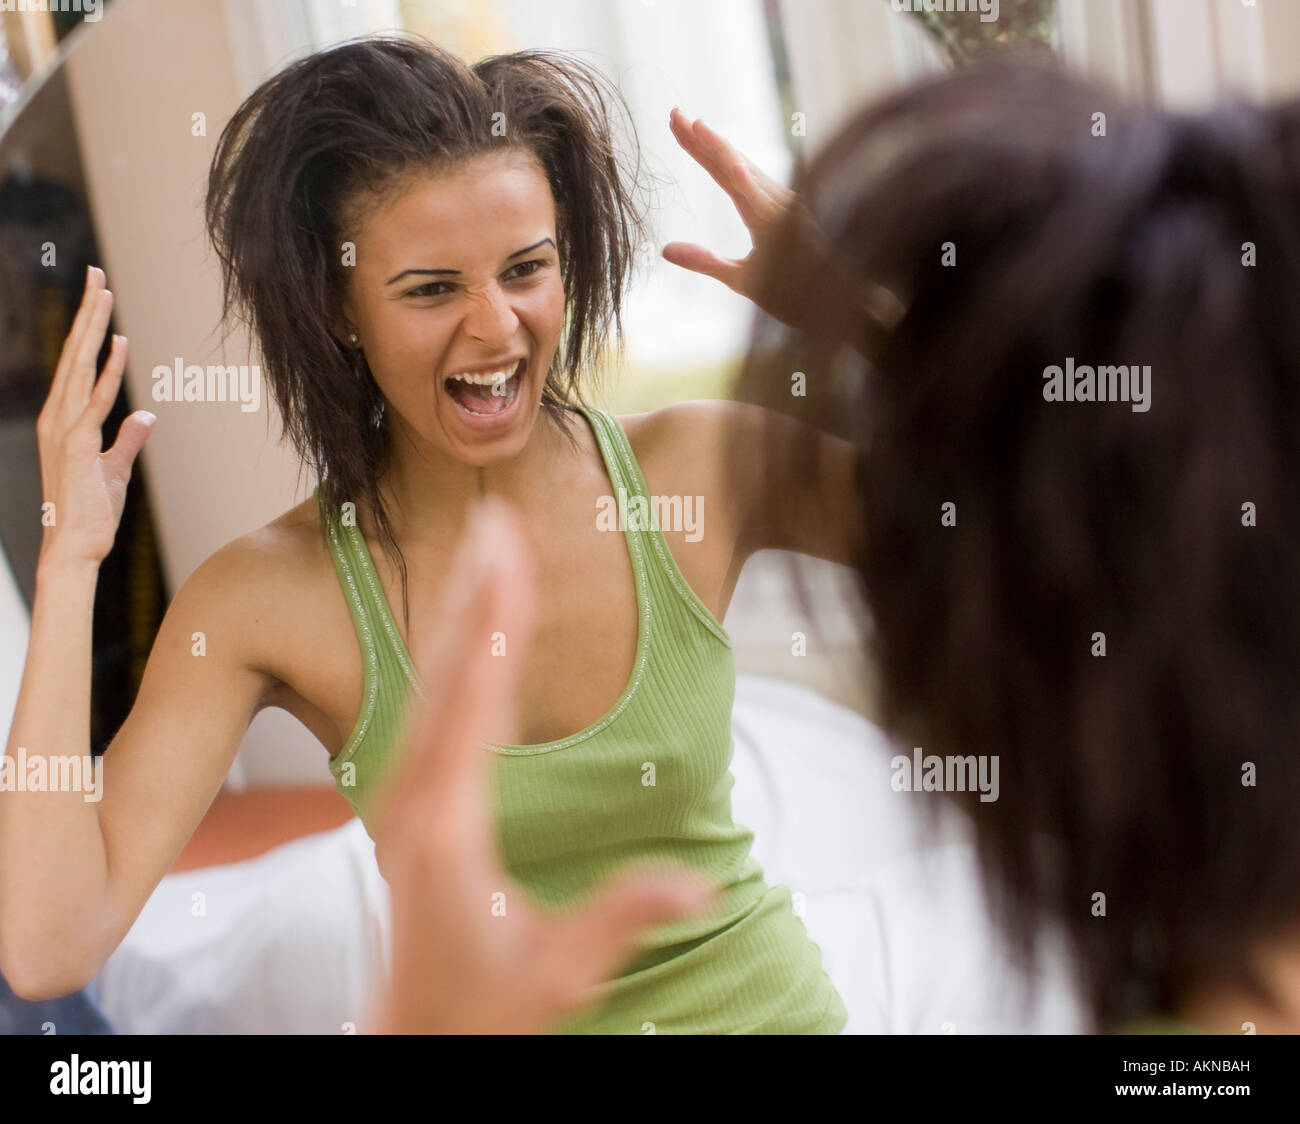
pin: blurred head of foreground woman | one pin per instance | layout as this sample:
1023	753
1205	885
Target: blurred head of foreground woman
1109	602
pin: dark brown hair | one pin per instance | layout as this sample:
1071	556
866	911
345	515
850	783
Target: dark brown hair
340	129
1124	774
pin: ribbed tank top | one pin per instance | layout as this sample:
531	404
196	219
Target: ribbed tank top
650	781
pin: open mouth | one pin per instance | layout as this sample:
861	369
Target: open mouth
487	394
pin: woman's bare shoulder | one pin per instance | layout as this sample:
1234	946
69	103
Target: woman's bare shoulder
269	598
686	447
690	429
281	560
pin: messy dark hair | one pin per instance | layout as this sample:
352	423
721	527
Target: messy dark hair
338	130
1021	218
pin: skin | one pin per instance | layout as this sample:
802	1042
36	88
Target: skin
277	628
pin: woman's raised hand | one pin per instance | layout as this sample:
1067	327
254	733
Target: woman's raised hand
764	206
761	201
84	489
471	952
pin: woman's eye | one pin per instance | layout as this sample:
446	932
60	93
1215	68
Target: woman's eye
529	268
438	288
426	290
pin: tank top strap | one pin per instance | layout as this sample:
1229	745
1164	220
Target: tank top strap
623	462
376	629
632	481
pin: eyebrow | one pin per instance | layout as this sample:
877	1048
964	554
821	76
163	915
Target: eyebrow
456	272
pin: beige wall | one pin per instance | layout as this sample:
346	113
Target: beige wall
215	472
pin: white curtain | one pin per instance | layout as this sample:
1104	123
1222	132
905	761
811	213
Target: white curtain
264	37
844	53
1186	53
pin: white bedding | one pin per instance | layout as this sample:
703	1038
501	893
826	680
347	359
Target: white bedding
296	940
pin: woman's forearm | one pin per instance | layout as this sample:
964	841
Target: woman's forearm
53	869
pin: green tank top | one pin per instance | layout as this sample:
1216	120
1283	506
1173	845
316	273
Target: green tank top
650	781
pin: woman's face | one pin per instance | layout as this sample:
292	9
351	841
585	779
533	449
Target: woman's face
458	302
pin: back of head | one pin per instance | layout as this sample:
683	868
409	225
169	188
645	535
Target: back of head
1096	361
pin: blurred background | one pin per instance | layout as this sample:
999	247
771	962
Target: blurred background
101	160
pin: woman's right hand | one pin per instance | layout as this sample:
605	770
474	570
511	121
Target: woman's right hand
83	488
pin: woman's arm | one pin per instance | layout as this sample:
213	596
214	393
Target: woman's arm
770	483
75	872
802	486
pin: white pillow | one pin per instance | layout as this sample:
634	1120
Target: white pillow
294	941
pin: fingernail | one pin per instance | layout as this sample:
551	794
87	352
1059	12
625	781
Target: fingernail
88	275
147	417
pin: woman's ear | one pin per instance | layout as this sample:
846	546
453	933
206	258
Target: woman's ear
343	326
342	329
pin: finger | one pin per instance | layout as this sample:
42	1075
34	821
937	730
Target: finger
131	436
697	259
601	940
725	153
762	194
423	787
81	370
490	588
496	551
767	207
706	154
72	341
110	381
697	146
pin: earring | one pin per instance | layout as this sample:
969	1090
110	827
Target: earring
352	339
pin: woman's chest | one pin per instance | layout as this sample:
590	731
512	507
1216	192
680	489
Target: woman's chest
580	657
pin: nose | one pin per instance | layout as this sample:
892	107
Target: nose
489	317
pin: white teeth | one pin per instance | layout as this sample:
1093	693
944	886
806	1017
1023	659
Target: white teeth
511	389
486	378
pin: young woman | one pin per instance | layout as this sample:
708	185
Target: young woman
429	256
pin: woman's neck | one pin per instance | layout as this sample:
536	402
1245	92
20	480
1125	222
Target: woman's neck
429	494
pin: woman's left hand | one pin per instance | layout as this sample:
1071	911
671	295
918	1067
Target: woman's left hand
761	201
765	208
